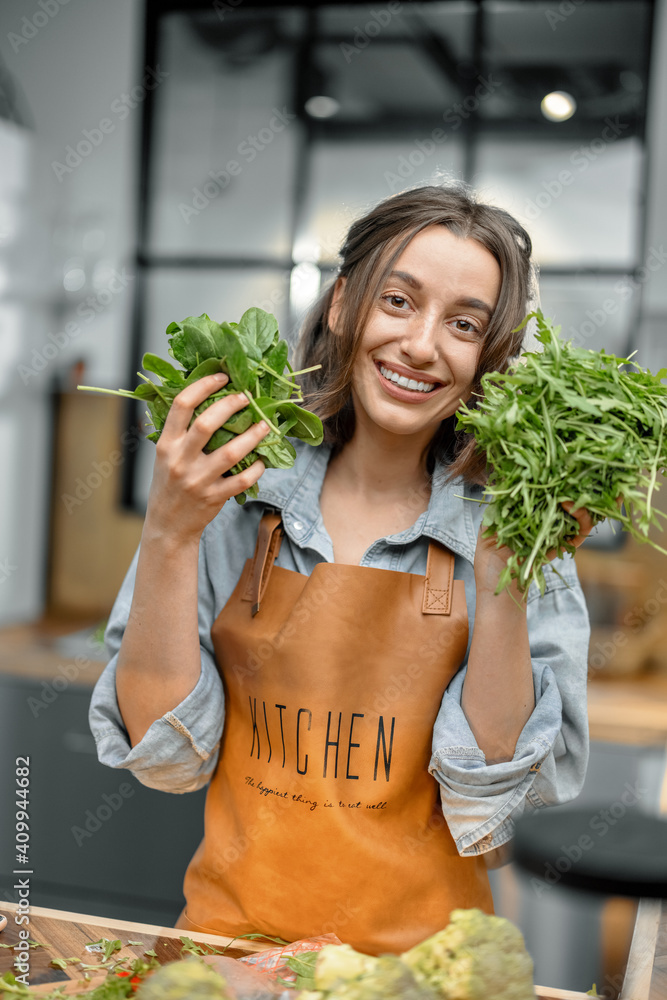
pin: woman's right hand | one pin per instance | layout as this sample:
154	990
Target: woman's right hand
188	487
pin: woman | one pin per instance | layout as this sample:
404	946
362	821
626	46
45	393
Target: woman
386	716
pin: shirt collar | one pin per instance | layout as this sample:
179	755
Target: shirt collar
449	519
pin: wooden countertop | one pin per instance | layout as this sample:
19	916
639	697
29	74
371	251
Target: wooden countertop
629	710
65	935
30	651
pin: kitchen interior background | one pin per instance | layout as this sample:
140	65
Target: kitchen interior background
161	159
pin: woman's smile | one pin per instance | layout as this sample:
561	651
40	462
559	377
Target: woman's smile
411	388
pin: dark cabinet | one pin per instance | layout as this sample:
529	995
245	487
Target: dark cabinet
100	842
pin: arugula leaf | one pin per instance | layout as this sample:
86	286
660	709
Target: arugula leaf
566	424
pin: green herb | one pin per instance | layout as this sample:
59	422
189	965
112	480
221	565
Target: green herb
109	946
254	357
29	942
567	424
262	937
190	948
304	966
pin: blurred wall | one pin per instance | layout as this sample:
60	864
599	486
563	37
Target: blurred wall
66	245
653	335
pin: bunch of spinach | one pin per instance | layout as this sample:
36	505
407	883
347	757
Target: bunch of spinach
254	357
566	424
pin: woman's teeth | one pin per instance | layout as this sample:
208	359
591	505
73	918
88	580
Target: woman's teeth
407	383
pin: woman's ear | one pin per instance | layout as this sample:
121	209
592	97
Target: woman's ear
336	303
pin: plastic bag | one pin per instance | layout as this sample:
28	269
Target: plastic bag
273	963
245	983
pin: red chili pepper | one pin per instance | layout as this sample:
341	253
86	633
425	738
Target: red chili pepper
134	981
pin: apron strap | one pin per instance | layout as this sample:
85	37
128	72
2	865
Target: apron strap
439	581
269	537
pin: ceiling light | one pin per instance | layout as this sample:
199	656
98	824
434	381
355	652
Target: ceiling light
322	107
558	106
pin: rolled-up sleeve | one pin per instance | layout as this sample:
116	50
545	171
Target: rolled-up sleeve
481	801
179	751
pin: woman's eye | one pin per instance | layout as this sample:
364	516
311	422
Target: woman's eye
397	301
466	327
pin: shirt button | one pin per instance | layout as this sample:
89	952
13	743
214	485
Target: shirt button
297	525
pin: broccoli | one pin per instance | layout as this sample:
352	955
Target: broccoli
341	973
475	957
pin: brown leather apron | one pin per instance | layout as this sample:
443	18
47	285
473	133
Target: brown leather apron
321	815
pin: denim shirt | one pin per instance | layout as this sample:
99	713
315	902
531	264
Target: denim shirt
480	801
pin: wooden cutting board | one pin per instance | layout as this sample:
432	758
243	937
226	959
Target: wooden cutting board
65	935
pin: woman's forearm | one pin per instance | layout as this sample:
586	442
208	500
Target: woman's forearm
498	694
159	660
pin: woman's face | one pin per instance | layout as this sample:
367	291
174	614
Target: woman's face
426	327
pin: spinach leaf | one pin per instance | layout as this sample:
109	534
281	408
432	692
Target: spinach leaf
279	453
256	360
165	370
275	361
147	390
233	358
208	367
258	328
192	340
307	426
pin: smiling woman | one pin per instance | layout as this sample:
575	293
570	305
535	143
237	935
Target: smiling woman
332	659
457	269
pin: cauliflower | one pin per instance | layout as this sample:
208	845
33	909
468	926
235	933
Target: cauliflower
338	963
338	972
353	976
475	957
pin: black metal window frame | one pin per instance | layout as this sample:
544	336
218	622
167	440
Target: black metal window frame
146	261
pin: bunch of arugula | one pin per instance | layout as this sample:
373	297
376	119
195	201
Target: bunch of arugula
567	424
254	357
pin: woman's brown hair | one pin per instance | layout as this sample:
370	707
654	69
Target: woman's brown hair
373	244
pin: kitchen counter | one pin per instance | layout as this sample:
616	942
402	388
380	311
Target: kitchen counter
65	935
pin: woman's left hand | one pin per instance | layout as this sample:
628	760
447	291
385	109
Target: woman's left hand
491	561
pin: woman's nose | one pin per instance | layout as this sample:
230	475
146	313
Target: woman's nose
420	342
